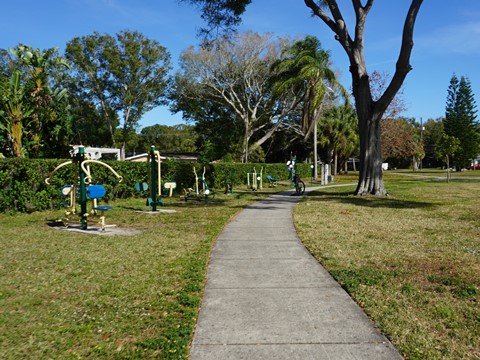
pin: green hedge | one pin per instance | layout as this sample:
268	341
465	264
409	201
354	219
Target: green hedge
23	187
237	171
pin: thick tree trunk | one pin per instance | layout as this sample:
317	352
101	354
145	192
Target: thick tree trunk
369	111
370	181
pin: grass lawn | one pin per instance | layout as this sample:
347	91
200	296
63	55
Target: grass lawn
71	295
411	260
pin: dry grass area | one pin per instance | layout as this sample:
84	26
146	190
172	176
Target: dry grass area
411	260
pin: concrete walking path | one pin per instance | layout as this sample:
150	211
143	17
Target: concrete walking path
266	297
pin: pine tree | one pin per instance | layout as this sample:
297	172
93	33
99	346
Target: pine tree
461	121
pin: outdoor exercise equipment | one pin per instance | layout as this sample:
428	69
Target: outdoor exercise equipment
169	186
154	179
272	182
254	180
96	192
201	191
81	188
292	168
228	181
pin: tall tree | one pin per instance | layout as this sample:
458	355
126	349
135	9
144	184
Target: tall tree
431	137
306	70
140	69
127	73
338	135
34	105
460	121
235	73
369	111
90	74
400	140
15	111
215	124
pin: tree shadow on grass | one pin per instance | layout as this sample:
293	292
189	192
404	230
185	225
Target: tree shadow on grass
347	197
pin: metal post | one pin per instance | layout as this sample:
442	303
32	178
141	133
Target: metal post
153	178
80	157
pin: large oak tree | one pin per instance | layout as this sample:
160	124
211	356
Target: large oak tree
127	73
369	111
235	74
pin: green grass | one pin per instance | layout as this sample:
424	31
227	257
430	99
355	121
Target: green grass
70	295
411	260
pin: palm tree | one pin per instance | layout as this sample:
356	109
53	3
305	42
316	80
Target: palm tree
15	111
339	129
305	68
34	107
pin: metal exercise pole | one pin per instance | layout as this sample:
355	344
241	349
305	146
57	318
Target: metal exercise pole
153	178
80	157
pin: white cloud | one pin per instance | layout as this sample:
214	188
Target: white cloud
463	39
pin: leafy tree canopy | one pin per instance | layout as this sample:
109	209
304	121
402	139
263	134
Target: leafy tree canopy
352	40
127	73
220	15
176	138
461	121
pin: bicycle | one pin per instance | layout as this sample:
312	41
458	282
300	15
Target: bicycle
299	185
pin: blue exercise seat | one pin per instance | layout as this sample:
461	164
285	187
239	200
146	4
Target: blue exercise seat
272	182
95	192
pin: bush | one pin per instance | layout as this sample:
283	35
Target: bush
23	187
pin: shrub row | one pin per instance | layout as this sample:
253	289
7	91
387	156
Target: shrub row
23	187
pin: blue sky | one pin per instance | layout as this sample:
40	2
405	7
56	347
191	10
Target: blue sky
447	37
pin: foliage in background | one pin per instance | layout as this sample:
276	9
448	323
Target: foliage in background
401	141
461	121
34	111
432	136
127	73
447	148
23	187
235	75
176	138
338	136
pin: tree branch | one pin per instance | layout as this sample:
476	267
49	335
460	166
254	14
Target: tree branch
337	24
403	66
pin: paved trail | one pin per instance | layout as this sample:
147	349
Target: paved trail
267	298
